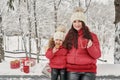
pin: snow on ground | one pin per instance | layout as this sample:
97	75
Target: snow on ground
102	69
108	69
35	70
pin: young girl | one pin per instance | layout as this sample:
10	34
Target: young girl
56	54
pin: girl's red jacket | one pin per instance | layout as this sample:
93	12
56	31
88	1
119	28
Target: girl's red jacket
57	59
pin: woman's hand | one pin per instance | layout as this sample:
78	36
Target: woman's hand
89	43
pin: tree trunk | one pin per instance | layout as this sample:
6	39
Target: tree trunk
55	14
117	44
56	7
24	43
79	3
1	42
117	11
36	31
117	31
29	25
19	20
19	11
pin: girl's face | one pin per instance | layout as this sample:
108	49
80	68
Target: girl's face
77	24
58	42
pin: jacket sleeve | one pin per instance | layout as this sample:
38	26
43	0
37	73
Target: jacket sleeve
64	51
49	54
94	51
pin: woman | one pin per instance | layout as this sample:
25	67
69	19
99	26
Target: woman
84	49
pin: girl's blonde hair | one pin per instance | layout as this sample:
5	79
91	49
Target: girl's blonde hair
51	43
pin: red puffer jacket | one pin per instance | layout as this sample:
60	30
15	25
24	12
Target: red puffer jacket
57	59
84	59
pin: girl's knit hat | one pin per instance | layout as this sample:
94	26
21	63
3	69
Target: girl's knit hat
60	33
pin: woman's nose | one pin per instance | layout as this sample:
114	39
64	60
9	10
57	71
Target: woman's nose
76	23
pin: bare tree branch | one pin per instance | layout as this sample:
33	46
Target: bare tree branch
59	3
87	6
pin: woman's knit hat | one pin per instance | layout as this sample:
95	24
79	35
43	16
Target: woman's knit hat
78	15
60	33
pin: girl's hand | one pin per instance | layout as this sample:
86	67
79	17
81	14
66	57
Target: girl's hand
89	43
55	49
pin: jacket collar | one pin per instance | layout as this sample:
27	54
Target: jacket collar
80	32
60	47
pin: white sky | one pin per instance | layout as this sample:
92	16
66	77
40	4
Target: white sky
102	1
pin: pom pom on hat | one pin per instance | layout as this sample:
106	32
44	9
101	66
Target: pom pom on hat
60	33
79	9
78	15
61	28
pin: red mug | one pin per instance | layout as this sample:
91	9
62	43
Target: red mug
83	43
25	69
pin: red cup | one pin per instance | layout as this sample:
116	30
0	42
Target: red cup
83	43
25	69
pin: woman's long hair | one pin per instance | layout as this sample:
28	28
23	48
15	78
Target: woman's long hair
72	36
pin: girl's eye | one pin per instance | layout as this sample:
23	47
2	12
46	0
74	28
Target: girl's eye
74	21
60	40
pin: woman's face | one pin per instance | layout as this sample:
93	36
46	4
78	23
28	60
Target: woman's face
77	24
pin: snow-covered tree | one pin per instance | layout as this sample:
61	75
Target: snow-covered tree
117	31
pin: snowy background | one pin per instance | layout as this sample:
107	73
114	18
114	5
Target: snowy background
100	18
20	22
